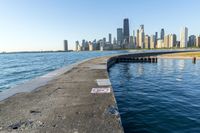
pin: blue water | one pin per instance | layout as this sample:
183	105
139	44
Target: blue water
20	67
158	98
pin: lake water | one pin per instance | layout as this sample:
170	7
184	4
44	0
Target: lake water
158	98
20	67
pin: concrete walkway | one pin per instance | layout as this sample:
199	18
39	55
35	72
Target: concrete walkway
65	104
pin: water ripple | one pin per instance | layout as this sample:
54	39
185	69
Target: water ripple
155	98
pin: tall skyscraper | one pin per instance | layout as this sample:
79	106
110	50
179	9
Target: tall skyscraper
83	44
126	31
192	41
198	41
131	44
156	38
166	41
78	47
162	34
65	45
138	38
104	40
141	36
152	42
91	48
119	36
114	41
147	42
184	37
172	40
134	39
110	38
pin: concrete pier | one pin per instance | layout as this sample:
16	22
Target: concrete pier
79	101
65	104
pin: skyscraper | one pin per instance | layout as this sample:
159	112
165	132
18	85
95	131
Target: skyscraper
162	34
152	42
184	37
147	42
160	43
126	31
134	39
141	36
138	38
198	41
65	45
156	38
110	38
78	47
104	40
166	41
192	41
119	36
172	40
91	48
131	42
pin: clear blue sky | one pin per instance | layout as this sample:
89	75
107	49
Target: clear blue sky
27	25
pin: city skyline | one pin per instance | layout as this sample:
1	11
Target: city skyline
39	25
127	40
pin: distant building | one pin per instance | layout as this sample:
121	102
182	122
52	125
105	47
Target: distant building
162	34
192	41
152	42
166	41
126	31
78	47
83	45
137	39
101	45
184	37
119	36
115	44
141	36
160	43
172	40
91	46
198	41
134	39
156	38
65	45
147	42
104	40
110	38
131	44
114	41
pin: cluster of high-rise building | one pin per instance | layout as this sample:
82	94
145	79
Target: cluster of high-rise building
131	40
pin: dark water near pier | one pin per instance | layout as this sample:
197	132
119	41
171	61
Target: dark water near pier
158	98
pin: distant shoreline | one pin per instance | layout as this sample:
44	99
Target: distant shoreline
34	52
176	57
182	55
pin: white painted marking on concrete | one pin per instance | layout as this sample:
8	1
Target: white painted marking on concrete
103	82
98	67
100	90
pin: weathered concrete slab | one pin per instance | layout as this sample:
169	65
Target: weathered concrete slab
98	67
103	82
